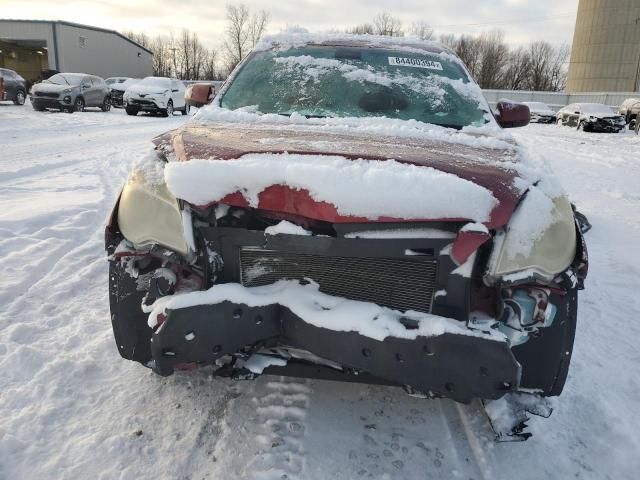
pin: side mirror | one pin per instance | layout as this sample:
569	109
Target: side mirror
199	94
512	115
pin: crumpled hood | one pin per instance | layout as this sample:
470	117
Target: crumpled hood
491	168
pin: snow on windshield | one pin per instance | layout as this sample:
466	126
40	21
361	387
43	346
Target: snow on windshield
66	79
596	109
537	105
156	82
345	81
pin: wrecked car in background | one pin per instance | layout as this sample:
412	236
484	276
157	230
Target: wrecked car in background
591	117
349	208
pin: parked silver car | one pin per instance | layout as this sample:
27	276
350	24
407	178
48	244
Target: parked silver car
71	92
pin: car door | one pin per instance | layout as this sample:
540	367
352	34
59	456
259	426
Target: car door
102	90
86	88
10	84
178	102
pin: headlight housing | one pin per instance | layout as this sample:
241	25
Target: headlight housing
550	253
149	214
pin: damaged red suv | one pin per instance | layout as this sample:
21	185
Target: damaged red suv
349	208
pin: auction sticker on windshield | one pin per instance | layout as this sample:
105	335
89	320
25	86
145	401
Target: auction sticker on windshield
415	62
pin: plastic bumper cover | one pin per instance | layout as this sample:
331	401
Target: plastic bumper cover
461	367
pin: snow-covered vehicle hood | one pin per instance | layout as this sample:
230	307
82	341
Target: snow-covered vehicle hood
146	90
460	176
541	111
51	87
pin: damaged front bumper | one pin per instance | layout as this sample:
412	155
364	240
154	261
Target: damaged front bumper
461	367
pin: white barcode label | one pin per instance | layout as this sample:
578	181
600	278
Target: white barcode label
415	62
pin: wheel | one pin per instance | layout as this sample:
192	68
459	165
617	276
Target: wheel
185	110
106	104
545	358
559	122
78	105
38	108
20	98
168	112
131	110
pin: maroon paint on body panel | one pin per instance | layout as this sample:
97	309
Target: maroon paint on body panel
488	167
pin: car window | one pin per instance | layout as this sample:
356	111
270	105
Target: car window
334	81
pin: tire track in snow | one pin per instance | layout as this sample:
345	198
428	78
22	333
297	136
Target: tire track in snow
282	413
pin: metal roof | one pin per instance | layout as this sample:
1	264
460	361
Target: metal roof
79	25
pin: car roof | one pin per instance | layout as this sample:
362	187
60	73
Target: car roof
292	40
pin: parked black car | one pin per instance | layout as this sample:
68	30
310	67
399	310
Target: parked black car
71	92
15	87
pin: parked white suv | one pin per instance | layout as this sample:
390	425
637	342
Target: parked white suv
157	95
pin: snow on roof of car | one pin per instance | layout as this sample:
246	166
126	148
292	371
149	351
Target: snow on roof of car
594	108
296	39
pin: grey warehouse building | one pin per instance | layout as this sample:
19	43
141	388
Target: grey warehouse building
36	48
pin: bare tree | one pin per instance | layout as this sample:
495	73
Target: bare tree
421	30
257	26
362	29
516	73
546	71
540	66
494	57
243	32
386	24
141	38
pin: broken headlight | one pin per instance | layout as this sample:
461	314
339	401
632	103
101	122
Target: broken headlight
149	214
545	254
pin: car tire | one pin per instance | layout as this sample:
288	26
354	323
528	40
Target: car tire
545	358
38	108
20	98
185	110
168	112
559	122
131	111
106	104
78	105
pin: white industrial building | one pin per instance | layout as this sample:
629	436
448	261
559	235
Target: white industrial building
35	48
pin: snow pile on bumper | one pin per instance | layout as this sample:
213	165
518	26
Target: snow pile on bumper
322	310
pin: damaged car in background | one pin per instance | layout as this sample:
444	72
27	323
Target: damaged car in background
591	117
349	208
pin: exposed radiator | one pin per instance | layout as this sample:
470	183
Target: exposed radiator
395	283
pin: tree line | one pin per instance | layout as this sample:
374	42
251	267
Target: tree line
491	61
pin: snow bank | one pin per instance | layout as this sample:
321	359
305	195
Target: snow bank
321	310
364	188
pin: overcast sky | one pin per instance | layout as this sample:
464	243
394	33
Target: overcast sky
521	20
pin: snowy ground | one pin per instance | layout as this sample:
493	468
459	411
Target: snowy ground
71	408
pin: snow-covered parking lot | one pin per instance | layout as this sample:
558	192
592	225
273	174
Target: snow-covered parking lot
70	407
